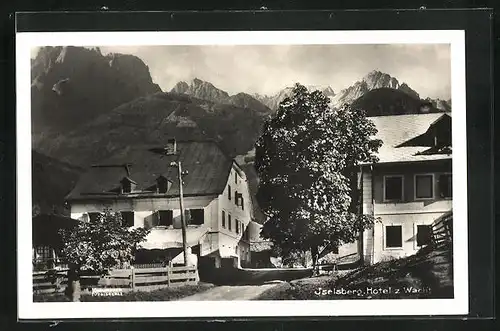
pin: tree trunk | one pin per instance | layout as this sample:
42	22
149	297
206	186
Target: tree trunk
315	256
73	290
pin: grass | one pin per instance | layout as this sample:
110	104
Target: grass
427	274
164	294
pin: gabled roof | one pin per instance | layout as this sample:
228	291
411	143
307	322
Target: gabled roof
208	170
399	136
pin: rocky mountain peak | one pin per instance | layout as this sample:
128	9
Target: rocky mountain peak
201	89
180	87
375	79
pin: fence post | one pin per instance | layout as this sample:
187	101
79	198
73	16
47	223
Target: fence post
169	272
132	278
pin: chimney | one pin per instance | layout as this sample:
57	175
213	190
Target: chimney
171	146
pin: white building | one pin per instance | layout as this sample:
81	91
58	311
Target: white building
141	184
409	188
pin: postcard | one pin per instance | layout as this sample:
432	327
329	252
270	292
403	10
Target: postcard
241	174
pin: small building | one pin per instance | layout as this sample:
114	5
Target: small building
47	240
141	182
409	188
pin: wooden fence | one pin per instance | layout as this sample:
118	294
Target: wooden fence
132	279
442	231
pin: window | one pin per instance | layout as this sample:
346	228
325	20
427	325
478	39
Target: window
237	226
165	217
445	186
229	221
393	236
393	187
127	218
242	227
235	178
424	186
223	219
423	235
236	195
43	253
128	185
162	184
197	217
229	192
245	233
93	216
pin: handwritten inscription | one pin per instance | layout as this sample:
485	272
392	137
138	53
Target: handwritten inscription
370	291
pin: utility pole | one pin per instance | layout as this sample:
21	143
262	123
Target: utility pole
173	151
183	221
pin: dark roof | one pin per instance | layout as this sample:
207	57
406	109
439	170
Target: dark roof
400	135
208	170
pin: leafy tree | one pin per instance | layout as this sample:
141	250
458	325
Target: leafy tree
306	161
96	246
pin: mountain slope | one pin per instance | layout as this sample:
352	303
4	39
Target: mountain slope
443	105
73	85
245	100
52	180
388	101
154	119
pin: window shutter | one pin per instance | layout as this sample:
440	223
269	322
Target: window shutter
155	219
187	216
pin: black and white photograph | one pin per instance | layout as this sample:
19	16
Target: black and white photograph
192	174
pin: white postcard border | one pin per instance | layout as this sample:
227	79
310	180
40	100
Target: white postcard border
27	309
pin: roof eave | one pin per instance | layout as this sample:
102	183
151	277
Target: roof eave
118	197
405	161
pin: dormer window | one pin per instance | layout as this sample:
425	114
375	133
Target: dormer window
128	185
163	185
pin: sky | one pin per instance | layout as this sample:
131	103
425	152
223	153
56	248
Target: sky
426	68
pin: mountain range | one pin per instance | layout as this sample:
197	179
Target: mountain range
200	89
87	105
273	101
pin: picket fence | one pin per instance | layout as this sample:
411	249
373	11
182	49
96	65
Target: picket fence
131	279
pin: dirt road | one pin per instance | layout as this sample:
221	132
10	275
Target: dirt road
226	292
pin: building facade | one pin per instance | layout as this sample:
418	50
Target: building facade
409	187
142	184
